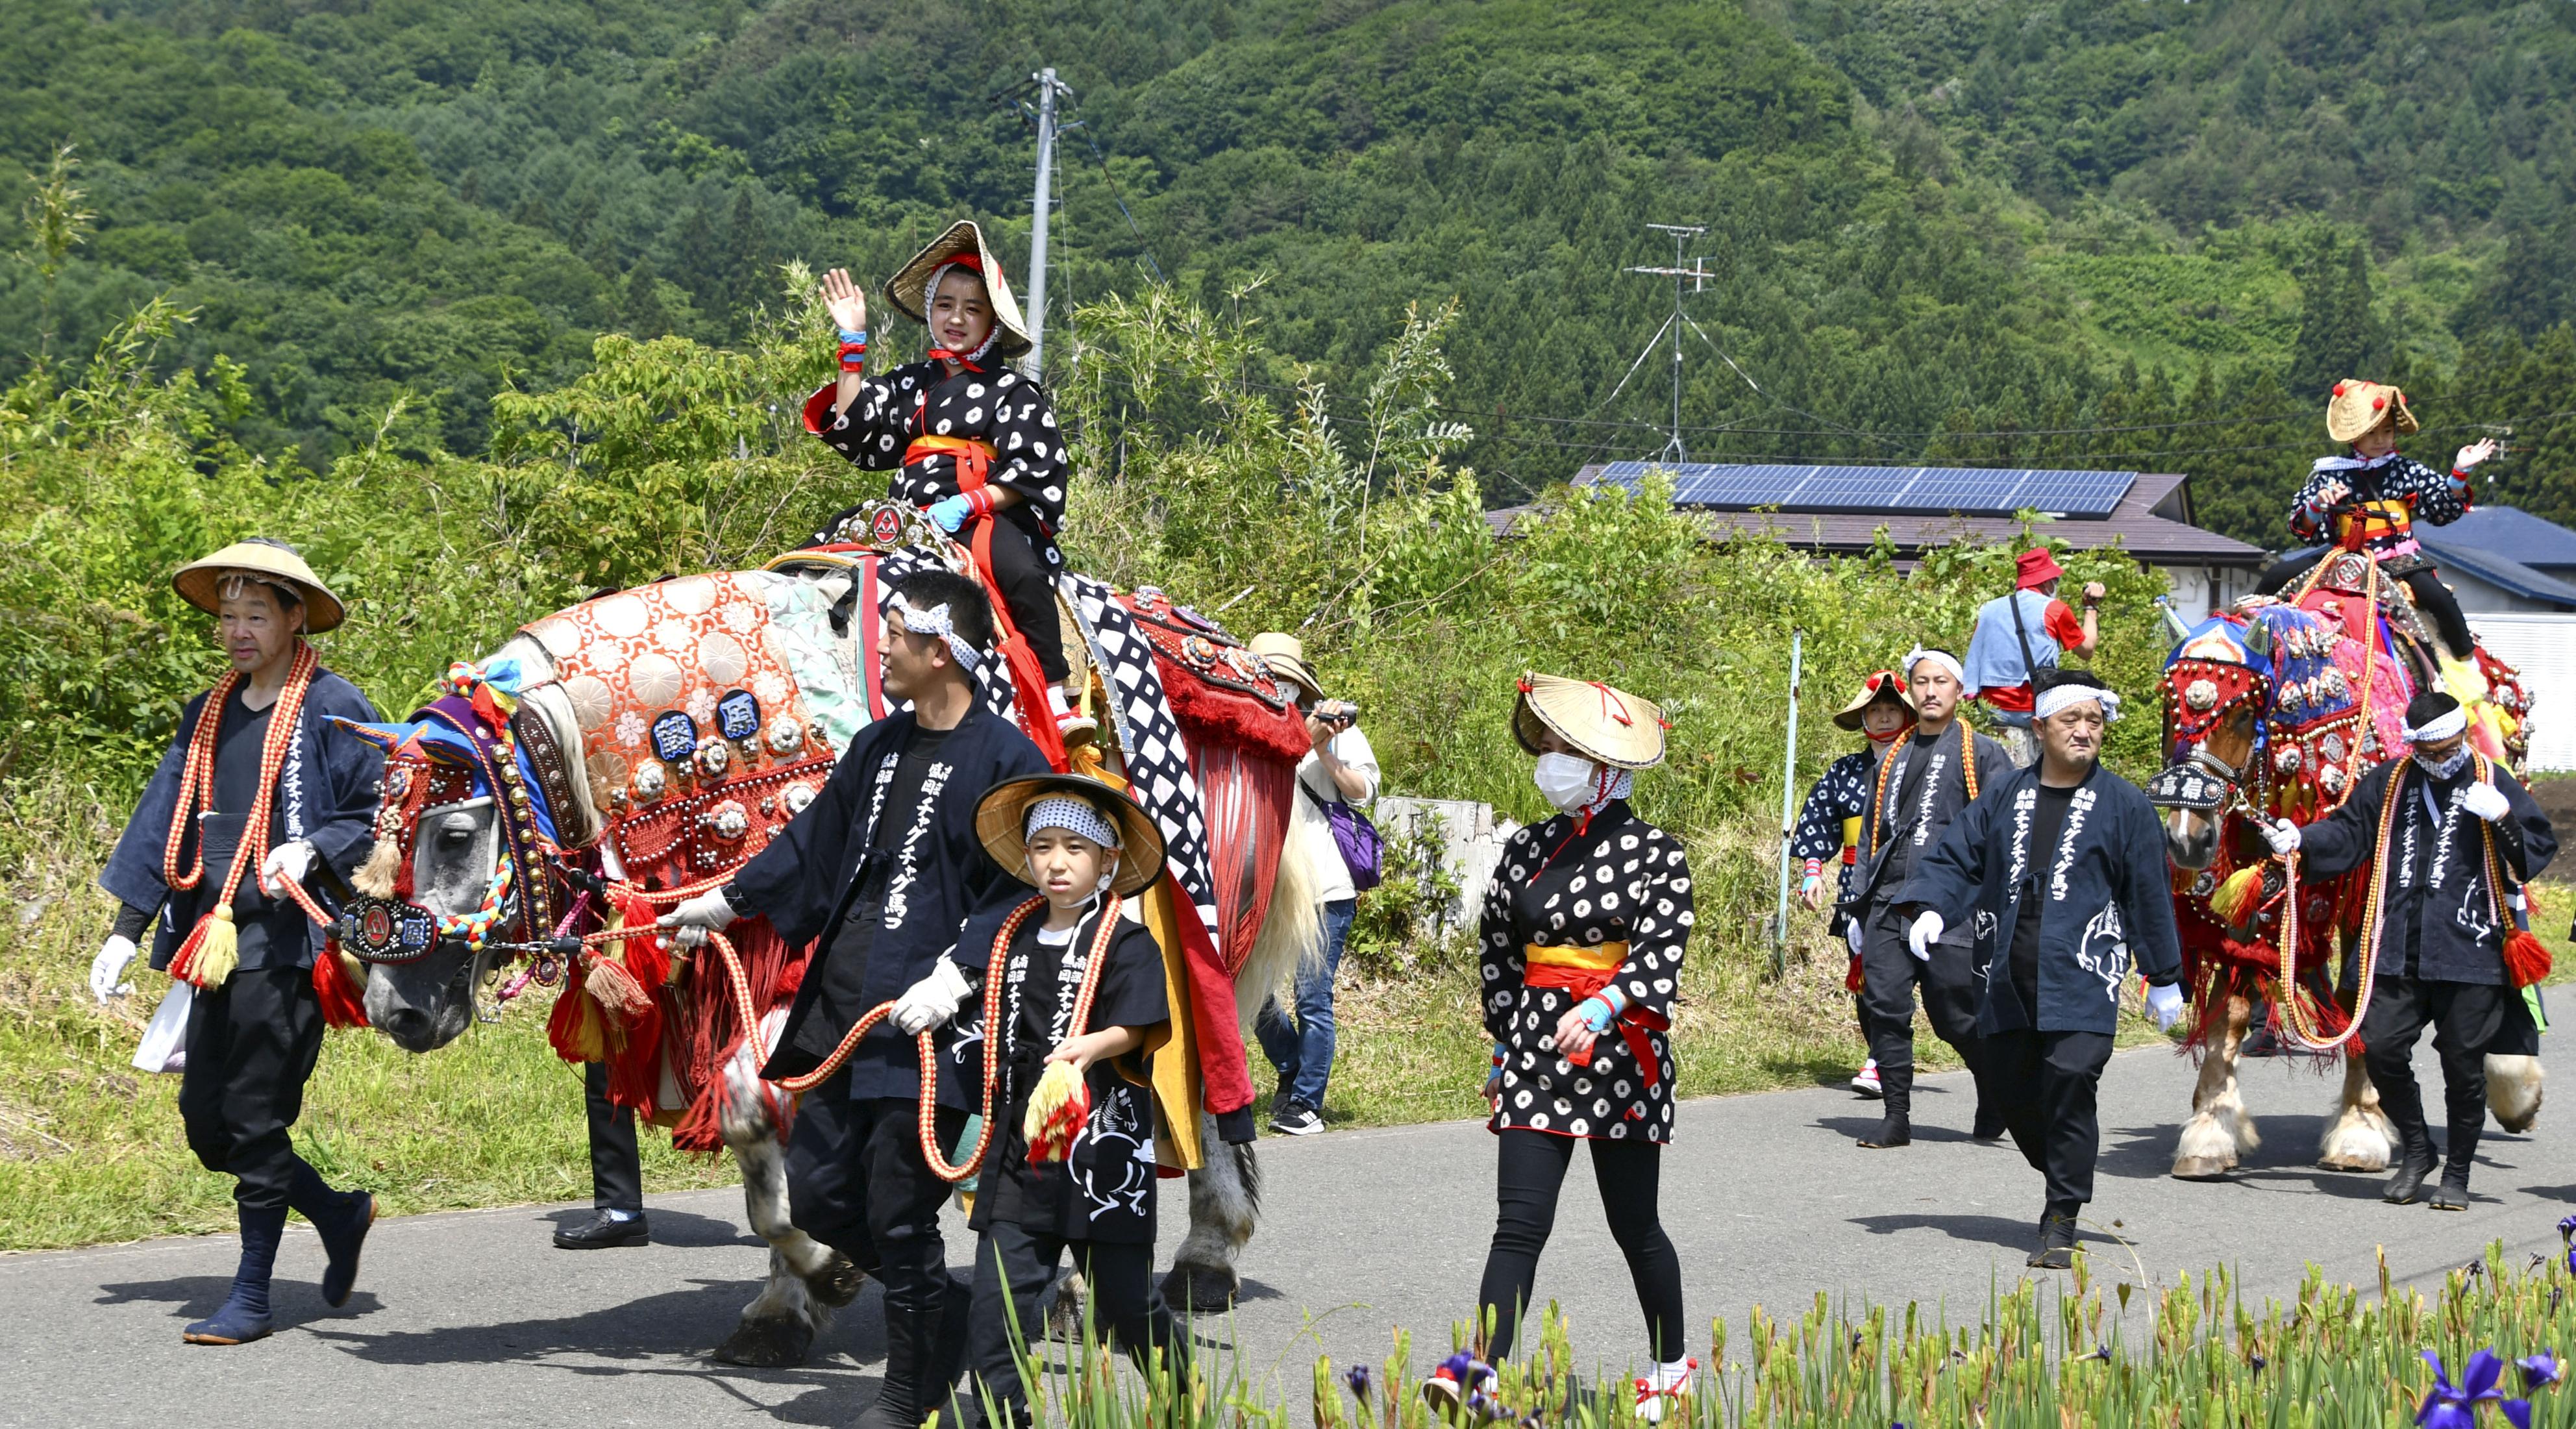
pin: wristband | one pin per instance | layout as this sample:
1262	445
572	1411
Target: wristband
979	500
1815	868
857	335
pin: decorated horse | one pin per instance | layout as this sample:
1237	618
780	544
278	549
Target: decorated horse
622	755
2275	711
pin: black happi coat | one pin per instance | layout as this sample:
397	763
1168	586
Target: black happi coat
326	795
1619	880
1906	812
2438	912
998	407
807	876
1841	793
2108	907
1104	1188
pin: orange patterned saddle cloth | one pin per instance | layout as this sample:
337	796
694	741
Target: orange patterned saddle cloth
694	732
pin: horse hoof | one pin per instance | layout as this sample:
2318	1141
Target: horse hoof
2353	1163
767	1344
1200	1288
1064	1319
2202	1168
837	1283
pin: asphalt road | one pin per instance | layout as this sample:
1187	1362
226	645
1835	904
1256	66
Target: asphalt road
472	1318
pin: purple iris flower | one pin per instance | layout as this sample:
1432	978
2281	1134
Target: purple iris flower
2540	1370
1357	1377
2450	1406
2519	1411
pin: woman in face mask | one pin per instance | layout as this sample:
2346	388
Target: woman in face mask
1582	940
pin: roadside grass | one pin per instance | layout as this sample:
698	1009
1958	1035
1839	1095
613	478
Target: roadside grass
91	1151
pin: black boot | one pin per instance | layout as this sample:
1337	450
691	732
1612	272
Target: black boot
913	1356
2415	1162
243	1316
2468	1108
2056	1242
342	1219
1896	1108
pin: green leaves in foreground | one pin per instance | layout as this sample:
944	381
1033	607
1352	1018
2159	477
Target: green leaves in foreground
2046	1355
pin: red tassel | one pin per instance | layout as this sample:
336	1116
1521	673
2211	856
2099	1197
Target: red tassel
573	1027
1851	975
340	986
2526	958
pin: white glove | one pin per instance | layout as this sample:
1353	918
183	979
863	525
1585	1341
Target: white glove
2486	801
1925	932
114	957
690	921
931	1001
1852	935
2164	1005
291	859
2282	835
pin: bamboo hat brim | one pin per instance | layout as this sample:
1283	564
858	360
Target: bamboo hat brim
1607	725
2358	406
1881	685
201	583
1003	812
908	288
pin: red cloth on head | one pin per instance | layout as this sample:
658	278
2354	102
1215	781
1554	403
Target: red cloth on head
2037	567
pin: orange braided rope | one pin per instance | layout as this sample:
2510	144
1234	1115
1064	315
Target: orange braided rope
2302	1030
1878	795
207	957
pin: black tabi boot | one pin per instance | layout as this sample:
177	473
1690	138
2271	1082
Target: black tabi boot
2415	1162
2056	1242
2460	1155
913	1359
342	1219
244	1314
1896	1108
1989	1123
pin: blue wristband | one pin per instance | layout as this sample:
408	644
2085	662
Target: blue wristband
859	336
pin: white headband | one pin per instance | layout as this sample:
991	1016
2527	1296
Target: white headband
2059	697
1076	816
934	621
2441	728
1942	658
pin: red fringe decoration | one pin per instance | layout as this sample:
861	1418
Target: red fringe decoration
2526	958
574	1026
709	1035
342	992
1851	975
1210	714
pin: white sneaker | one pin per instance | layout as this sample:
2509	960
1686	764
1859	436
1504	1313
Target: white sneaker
1668	1387
1866	1081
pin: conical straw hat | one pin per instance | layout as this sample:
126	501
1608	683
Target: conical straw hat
1608	725
1001	816
908	288
201	583
2357	406
1882	685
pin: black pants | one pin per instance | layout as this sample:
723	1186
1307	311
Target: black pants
1529	1167
1123	1305
857	1183
1889	977
2044	1084
251	1045
616	1170
2465	1018
2424	583
1028	589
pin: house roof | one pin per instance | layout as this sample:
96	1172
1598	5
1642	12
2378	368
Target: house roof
2150	520
2510	533
2472	558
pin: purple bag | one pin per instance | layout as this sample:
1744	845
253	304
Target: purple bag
1362	847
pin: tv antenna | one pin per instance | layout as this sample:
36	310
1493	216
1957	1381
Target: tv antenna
1698	276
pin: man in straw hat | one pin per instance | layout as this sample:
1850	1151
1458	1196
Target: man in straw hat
2375	496
1342	770
1919	785
879	873
2019	635
263	792
2059	871
968	440
2454	839
1080	988
1881	711
1581	942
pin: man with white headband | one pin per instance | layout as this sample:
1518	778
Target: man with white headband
879	873
2059	874
1916	788
2453	827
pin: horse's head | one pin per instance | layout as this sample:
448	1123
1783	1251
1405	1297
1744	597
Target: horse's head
457	872
2259	716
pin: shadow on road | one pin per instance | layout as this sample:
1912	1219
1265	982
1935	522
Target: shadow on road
1853	1128
1975	1229
194	1297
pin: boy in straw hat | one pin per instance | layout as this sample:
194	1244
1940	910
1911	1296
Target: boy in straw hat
1580	946
1073	993
1917	787
2059	873
968	440
2386	494
1881	711
262	795
2454	839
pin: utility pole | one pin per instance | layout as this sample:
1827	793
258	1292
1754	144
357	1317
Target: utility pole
1048	88
1682	234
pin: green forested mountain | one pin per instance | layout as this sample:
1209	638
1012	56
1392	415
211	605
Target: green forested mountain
2119	232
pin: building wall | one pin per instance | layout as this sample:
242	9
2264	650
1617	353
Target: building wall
2479	598
2198	590
2543	649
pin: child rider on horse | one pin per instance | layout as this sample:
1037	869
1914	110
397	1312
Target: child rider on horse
970	441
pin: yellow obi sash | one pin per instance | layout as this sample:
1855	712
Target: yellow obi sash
1605	958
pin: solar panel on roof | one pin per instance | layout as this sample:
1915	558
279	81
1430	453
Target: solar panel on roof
1935	490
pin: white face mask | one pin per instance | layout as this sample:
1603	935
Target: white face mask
1570	781
2446	768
